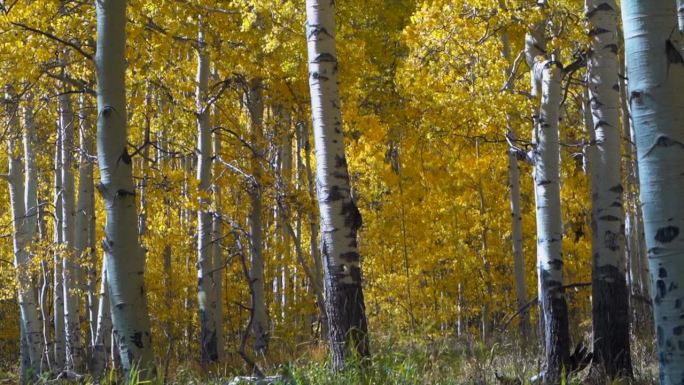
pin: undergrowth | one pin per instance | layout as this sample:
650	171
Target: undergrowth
394	361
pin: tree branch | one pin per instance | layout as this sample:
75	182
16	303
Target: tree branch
55	38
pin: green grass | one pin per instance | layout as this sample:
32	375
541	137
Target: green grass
403	361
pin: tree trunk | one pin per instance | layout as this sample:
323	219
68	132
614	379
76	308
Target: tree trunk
260	324
101	343
85	216
656	80
70	267
313	226
550	225
23	221
218	254
125	258
340	217
516	215
205	263
610	296
58	290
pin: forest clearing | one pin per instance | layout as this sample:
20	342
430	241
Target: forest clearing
352	192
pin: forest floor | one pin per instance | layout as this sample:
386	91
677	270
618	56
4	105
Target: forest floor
395	361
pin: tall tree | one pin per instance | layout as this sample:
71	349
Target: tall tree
340	217
70	266
656	78
255	105
546	84
125	258
610	295
205	262
23	201
516	215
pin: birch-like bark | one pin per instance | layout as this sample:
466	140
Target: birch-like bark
283	210
656	80
260	324
103	332
610	295
125	258
313	227
516	215
58	290
23	221
340	217
546	83
640	280
205	262
85	215
217	252
70	267
550	225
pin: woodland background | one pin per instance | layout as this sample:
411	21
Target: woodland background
428	103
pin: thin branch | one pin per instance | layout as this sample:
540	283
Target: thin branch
55	38
534	300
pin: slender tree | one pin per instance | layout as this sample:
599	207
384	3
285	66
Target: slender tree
546	83
340	217
59	342
610	296
260	324
70	266
23	201
656	78
125	258
206	298
516	215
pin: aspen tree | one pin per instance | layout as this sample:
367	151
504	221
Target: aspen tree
340	218
656	77
546	85
260	324
610	296
59	341
22	189
125	258
70	269
516	215
205	262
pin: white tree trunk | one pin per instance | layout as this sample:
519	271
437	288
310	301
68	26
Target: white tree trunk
206	299
313	228
218	254
260	324
610	296
340	217
549	224
656	81
103	331
58	291
70	267
125	258
23	220
516	215
85	216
